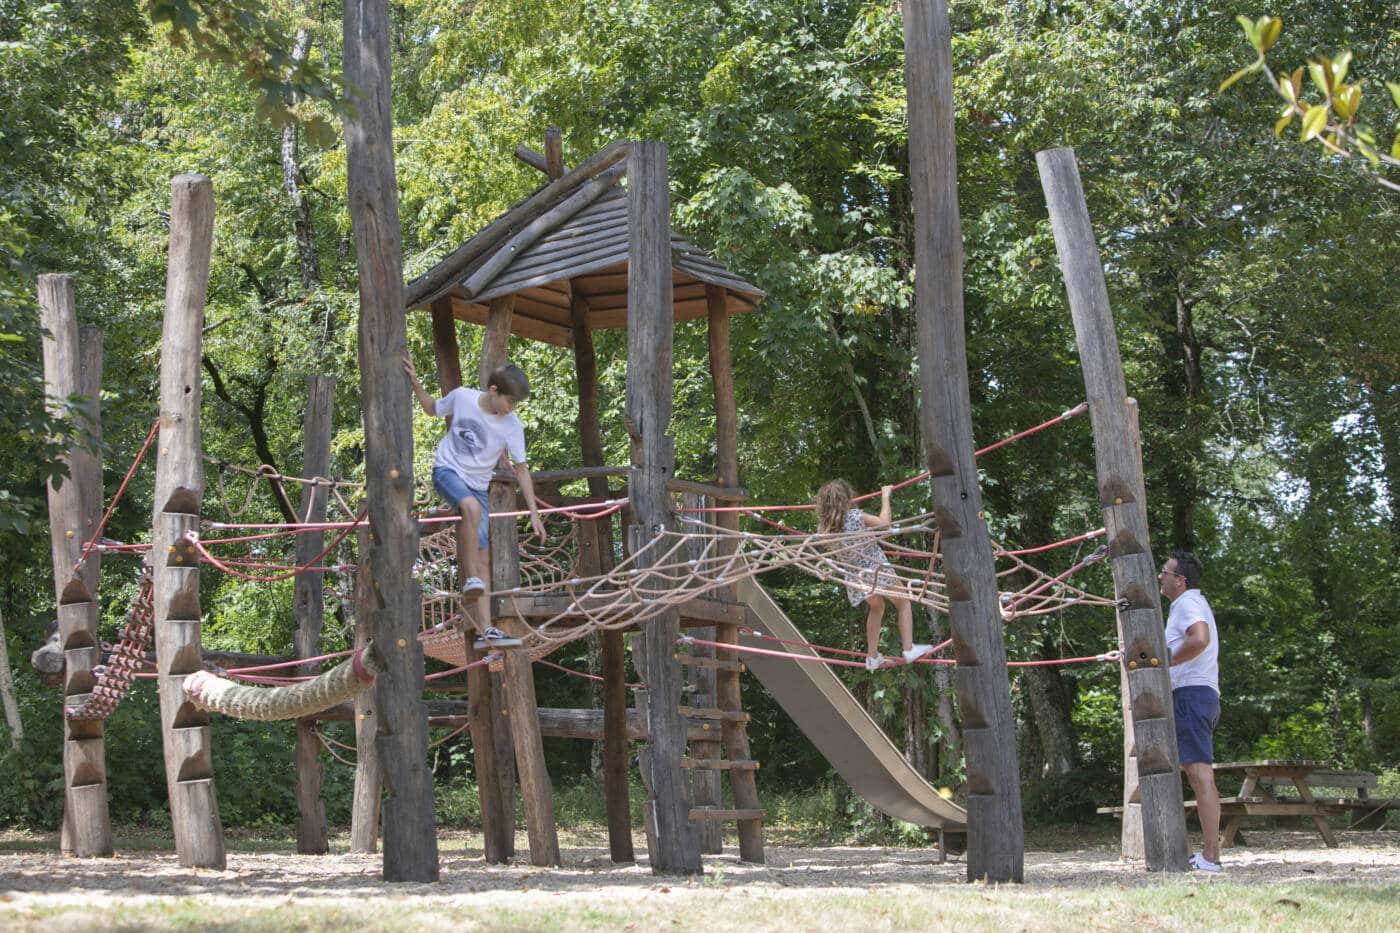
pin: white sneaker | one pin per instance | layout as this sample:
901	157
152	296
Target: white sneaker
473	586
915	652
873	662
495	638
1200	863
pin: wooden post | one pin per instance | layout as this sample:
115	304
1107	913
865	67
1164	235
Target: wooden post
410	831
309	605
1124	514
69	370
728	686
495	345
995	835
553	153
1132	845
179	489
595	546
705	789
364	813
650	328
519	696
449	360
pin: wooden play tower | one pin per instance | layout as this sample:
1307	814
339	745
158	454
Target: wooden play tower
585	252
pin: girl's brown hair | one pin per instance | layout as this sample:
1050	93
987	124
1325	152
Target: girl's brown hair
833	502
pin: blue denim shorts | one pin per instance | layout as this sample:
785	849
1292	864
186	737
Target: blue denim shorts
1197	712
454	489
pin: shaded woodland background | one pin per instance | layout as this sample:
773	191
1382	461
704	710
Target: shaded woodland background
1255	286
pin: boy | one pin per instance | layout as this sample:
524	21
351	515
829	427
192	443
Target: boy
481	427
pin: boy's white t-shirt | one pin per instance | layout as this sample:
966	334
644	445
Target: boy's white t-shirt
1203	670
474	442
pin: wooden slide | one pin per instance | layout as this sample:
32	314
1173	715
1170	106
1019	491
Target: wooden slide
837	724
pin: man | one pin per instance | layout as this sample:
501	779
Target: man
1193	647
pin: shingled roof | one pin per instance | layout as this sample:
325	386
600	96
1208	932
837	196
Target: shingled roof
570	232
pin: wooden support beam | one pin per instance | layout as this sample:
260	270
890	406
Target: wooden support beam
410	830
648	415
365	805
445	352
73	509
495	349
309	605
553	153
705	789
179	488
996	837
531	158
718	764
1119	470
715	813
595	558
519	698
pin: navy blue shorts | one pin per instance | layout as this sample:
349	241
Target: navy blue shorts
454	489
1197	712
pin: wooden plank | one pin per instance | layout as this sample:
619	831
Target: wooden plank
727	715
308	605
179	487
714	813
648	416
581	247
520	705
587	193
719	664
718	764
442	276
1119	474
602	258
996	838
410	832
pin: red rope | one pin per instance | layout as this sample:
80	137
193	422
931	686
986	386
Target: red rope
226	568
87	548
585	675
1046	547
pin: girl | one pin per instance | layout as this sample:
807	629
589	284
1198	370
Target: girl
834	514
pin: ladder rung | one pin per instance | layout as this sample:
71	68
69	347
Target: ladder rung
719	664
719	764
695	712
710	813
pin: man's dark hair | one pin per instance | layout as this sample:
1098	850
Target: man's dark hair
511	380
1189	567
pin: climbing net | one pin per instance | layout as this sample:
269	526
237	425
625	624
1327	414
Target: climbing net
702	556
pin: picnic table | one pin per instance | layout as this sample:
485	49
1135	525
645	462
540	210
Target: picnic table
1257	797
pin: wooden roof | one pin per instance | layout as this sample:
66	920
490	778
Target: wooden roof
571	232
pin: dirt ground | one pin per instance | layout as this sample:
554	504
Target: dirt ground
33	876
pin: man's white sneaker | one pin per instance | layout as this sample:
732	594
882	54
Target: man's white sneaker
916	652
1201	863
473	586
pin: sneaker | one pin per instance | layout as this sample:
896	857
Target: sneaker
873	662
473	586
495	638
1200	863
916	652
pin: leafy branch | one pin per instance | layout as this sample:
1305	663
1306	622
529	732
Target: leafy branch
1332	123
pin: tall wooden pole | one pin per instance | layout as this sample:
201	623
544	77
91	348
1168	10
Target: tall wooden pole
1124	514
410	832
650	328
87	829
728	688
595	557
309	605
495	349
179	489
995	835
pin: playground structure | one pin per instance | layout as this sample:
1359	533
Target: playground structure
574	256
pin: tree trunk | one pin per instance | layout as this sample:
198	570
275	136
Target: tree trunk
7	692
301	208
